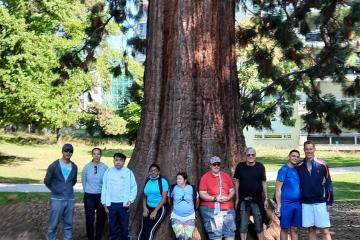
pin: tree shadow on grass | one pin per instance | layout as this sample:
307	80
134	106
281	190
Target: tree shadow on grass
18	180
9	160
26	139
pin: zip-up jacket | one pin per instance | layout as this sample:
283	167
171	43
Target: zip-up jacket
55	181
316	186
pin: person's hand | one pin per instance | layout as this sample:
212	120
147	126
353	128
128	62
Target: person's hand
277	210
266	203
153	215
222	199
145	212
328	208
106	209
127	204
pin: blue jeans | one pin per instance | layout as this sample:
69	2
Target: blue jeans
218	225
118	221
60	209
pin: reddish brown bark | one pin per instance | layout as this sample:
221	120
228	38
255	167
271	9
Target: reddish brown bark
191	108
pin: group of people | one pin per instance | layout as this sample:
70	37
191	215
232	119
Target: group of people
303	195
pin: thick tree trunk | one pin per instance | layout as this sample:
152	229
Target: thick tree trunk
191	108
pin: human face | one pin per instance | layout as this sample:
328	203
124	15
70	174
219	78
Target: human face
180	180
67	153
119	162
250	158
154	172
294	158
215	167
309	150
96	155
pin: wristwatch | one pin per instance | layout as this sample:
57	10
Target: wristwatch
215	199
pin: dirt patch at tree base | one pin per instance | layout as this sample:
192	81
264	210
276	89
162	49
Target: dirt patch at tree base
29	222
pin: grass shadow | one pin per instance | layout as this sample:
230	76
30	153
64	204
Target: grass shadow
18	180
12	160
26	139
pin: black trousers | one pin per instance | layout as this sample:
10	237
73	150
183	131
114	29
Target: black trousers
149	226
92	204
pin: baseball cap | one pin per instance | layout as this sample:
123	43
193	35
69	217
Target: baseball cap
215	159
68	146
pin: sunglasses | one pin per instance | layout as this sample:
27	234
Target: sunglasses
250	155
95	169
68	150
216	164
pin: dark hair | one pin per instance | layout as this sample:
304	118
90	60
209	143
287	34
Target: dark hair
154	165
92	151
184	175
294	150
119	155
309	142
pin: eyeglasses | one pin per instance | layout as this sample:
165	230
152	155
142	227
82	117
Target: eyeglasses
216	164
68	150
250	155
95	169
153	170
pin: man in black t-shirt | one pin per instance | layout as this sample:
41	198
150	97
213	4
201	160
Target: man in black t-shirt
251	193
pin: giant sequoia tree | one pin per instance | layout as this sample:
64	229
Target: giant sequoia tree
191	103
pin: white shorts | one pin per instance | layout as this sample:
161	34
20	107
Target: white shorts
315	214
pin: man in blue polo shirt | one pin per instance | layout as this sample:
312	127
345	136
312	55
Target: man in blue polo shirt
288	197
316	193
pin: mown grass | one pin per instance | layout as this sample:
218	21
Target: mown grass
273	159
22	197
346	188
26	161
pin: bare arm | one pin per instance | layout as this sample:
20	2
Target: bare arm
236	192
161	203
206	197
278	186
265	189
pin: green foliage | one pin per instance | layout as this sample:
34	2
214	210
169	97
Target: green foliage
273	44
32	37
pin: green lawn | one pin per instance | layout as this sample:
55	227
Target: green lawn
273	159
7	198
24	159
346	188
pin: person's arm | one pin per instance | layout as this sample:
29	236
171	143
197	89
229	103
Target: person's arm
278	186
237	197
206	197
145	209
83	177
161	203
329	194
265	189
48	176
104	190
75	176
133	189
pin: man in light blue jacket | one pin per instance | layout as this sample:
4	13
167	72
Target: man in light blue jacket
118	192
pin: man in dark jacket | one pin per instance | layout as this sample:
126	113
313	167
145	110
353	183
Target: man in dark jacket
60	179
316	193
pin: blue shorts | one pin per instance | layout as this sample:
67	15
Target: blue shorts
218	225
290	215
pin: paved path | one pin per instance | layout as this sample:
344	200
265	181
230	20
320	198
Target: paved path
11	187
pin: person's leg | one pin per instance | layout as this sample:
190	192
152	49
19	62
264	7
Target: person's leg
56	212
209	222
124	223
114	230
258	221
100	218
188	229
68	219
154	224
325	232
284	234
322	220
143	231
312	233
89	206
177	227
244	220
294	233
229	225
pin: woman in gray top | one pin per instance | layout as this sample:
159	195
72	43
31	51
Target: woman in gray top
92	179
